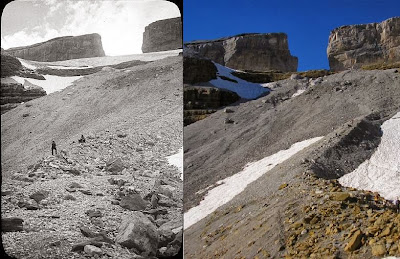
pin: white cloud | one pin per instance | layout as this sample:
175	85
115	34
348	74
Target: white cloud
120	23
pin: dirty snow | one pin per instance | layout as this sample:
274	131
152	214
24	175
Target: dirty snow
51	84
26	64
243	88
177	160
235	184
69	67
380	173
111	60
299	92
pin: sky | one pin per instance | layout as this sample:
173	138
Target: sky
120	23
307	23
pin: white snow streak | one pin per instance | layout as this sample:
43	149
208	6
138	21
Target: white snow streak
26	64
243	88
51	84
235	184
177	160
380	173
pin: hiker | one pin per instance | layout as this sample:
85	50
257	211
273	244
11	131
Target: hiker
53	148
82	139
397	204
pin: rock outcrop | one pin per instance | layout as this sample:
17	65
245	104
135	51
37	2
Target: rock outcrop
13	93
255	51
357	45
61	48
163	35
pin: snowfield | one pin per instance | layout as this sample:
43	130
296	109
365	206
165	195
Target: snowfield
380	173
177	160
243	88
51	84
235	184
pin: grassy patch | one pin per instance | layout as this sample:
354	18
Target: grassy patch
381	66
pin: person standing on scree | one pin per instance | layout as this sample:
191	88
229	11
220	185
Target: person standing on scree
53	147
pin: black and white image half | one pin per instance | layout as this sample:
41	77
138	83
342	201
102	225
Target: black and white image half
91	129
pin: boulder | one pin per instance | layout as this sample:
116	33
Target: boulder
92	250
133	202
115	165
356	45
253	51
137	232
354	242
39	195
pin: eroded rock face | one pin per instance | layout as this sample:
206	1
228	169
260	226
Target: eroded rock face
356	45
258	52
62	48
163	35
13	93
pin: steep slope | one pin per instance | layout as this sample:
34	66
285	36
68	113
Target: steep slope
131	119
346	109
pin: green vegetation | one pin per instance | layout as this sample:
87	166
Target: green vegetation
381	66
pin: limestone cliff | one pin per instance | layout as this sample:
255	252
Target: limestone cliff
61	48
256	51
357	45
163	35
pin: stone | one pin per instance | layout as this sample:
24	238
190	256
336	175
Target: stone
169	230
61	48
378	250
92	250
167	190
133	202
354	242
162	35
81	245
11	224
282	186
357	45
253	51
75	185
339	196
115	165
94	213
139	233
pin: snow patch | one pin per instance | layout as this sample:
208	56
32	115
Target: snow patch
51	84
243	88
26	64
69	67
177	160
299	92
380	173
235	184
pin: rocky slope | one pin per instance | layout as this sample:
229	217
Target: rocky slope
91	198
163	35
259	52
61	48
294	210
356	45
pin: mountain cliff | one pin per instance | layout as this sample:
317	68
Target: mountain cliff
255	51
61	48
363	44
163	35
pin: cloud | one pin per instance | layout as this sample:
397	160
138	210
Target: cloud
120	23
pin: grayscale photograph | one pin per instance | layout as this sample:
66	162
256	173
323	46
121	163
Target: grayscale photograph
91	129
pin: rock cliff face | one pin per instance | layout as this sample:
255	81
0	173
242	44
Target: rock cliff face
258	52
62	48
356	45
163	35
13	93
